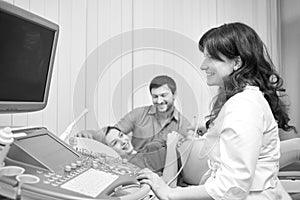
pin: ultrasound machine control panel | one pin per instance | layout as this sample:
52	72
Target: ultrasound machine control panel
65	173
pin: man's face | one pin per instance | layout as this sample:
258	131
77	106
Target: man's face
162	98
119	141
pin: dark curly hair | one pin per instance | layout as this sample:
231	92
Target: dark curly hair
238	40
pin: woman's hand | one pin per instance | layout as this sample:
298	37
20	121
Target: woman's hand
195	129
158	186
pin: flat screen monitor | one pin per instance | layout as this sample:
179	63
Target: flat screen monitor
27	50
55	157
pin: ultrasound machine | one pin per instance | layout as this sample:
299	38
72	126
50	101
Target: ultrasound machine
65	173
39	165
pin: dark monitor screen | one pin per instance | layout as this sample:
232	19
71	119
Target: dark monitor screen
48	150
27	50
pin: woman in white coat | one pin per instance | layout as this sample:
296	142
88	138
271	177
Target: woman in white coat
242	141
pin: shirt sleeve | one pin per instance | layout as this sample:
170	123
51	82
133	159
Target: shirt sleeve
127	123
240	143
184	125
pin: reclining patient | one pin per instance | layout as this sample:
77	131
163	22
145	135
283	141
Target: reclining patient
158	156
163	157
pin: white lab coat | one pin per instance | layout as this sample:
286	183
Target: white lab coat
244	149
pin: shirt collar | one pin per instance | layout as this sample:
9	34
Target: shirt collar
152	111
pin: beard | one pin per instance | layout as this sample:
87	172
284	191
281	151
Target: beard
164	107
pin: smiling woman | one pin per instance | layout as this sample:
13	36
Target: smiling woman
119	141
158	155
152	156
242	139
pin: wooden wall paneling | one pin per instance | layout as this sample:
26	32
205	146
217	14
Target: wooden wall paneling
64	93
180	63
115	68
206	15
92	62
126	72
103	89
78	57
273	25
158	55
260	15
290	26
241	11
186	22
202	17
143	59
50	113
6	120
268	27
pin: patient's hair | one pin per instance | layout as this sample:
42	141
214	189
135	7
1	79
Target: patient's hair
106	131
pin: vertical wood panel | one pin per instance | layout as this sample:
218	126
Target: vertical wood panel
274	27
64	62
127	26
290	22
103	88
78	56
234	10
111	26
51	110
150	15
115	69
91	62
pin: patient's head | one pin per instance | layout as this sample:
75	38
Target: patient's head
118	140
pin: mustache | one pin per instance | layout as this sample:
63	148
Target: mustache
162	103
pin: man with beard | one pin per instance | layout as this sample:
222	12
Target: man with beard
154	121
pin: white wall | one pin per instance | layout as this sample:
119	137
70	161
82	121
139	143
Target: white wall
290	38
109	50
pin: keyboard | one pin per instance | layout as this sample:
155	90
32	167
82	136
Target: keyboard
91	183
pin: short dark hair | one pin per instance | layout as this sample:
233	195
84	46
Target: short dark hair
161	80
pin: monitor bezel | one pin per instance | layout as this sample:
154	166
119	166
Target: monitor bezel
21	106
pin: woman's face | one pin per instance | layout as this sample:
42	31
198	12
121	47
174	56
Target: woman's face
119	141
216	70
